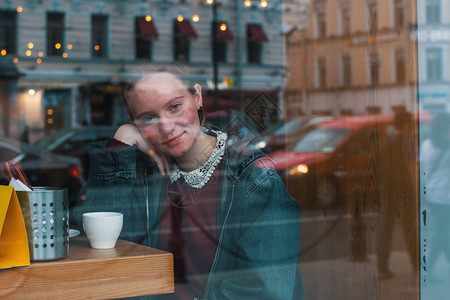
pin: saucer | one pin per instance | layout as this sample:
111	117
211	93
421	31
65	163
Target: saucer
73	232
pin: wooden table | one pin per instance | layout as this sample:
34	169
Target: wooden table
125	271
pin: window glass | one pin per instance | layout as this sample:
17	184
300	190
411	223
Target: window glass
143	41
346	70
374	67
334	169
400	67
372	17
255	38
399	13
321	72
433	11
254	52
434	64
346	20
99	35
181	43
8	27
321	24
220	42
55	33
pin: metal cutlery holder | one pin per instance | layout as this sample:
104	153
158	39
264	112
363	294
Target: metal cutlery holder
46	215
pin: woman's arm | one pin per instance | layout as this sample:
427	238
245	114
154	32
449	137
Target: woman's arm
113	185
129	134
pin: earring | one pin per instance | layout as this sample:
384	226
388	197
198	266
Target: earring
201	115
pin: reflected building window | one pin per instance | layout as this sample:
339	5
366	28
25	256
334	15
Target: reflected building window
346	70
400	66
221	35
8	34
321	73
99	35
434	64
374	68
255	39
345	20
433	11
399	14
183	32
55	33
145	32
372	17
320	20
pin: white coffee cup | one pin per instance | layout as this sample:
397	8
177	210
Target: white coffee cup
102	228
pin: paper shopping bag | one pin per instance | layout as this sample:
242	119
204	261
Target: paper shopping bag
14	250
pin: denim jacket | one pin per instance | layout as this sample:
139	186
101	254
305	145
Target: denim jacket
258	223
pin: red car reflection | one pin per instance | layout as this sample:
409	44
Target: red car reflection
332	159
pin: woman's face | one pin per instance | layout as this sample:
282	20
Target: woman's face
166	113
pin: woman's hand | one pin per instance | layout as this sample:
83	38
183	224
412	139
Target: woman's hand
129	134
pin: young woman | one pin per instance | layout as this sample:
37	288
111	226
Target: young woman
218	207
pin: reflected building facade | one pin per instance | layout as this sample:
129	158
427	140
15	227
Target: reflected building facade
77	55
433	39
372	67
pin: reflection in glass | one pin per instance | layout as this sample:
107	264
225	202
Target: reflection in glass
321	140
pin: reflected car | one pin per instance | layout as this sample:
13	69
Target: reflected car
72	142
332	160
42	168
283	133
235	123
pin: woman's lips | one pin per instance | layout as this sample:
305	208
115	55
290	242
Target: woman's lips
173	140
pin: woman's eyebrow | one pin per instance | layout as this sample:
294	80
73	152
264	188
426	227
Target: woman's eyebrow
174	99
152	113
145	114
